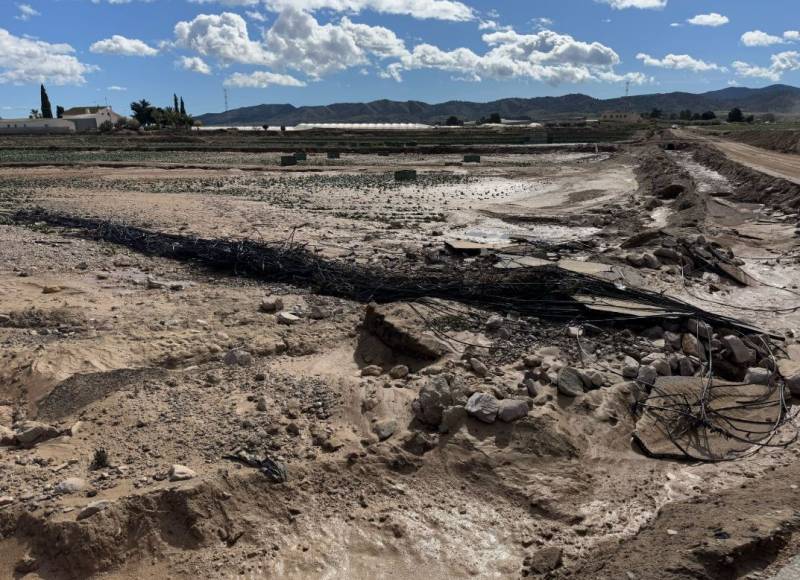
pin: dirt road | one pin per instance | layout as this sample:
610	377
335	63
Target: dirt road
783	165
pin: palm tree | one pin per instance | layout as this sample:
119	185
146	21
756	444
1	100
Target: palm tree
143	112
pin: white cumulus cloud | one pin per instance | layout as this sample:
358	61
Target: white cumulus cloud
26	12
779	64
679	62
27	61
713	19
759	38
193	64
421	9
641	4
124	46
262	80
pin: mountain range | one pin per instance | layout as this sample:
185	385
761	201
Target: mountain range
778	99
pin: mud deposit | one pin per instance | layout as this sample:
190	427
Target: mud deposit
166	418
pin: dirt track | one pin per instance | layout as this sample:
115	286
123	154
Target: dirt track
783	165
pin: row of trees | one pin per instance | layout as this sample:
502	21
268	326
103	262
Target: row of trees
734	116
175	116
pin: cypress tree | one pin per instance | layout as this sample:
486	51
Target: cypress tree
183	108
175	99
59	111
47	110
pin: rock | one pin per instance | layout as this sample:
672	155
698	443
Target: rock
662	367
692	347
261	404
668	254
483	407
544	561
51	289
531	387
384	429
32	432
647	375
512	410
673	339
7	437
271	304
288	318
758	376
532	361
790	371
399	372
71	485
630	368
26	565
6	500
238	357
434	397
635	260
740	353
478	367
371	371
570	382
650	261
181	473
94	508
699	328
494	323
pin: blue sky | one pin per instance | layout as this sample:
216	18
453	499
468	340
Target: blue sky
321	51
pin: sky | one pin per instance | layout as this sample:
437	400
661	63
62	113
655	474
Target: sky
312	52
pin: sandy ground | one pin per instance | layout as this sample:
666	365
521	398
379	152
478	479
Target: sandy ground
139	369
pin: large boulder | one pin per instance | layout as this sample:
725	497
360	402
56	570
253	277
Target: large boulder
483	407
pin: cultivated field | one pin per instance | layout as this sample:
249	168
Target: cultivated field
558	361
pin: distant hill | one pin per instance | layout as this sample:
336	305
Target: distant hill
779	99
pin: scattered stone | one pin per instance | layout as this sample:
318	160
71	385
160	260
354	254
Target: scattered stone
32	432
699	328
647	375
478	367
570	382
288	318
94	508
51	289
399	372
261	404
512	410
181	473
26	565
6	500
318	313
740	353
790	371
630	368
271	304
758	376
685	366
452	418
434	397
532	361
692	347
544	561
238	357
371	371
71	485
384	429
494	323
483	407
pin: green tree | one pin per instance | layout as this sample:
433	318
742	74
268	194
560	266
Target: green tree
655	114
60	112
35	114
495	118
47	110
685	115
708	116
143	112
453	121
183	108
175	102
736	116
